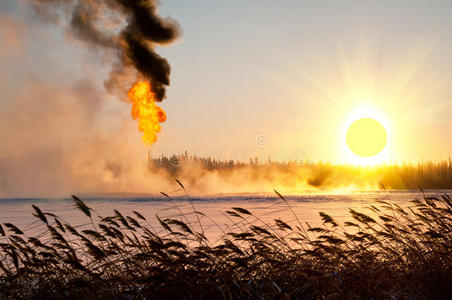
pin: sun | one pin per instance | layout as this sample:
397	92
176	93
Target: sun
366	137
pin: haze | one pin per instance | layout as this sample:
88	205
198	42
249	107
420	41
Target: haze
239	72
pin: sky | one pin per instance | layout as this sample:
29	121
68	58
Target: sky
296	72
283	78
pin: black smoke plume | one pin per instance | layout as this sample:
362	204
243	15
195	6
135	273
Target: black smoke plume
132	28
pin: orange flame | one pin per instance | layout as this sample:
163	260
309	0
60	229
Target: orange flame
144	109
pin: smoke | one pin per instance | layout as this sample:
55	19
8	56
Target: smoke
56	142
12	33
59	132
131	29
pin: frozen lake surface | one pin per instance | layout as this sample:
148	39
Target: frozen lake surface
265	208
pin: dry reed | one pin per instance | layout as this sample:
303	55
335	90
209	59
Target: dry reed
401	252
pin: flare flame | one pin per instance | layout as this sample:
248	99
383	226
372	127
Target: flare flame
144	109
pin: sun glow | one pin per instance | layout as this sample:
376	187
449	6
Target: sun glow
355	80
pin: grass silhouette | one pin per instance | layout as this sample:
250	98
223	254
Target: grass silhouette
398	252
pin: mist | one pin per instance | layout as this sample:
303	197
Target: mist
61	131
65	125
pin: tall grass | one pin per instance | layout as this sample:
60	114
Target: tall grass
398	252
